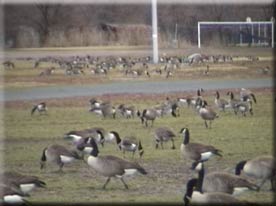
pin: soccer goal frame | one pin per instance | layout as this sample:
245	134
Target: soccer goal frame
249	23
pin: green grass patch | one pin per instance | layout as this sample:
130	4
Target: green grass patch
237	136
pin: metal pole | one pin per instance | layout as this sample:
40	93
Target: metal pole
154	31
252	33
240	35
198	34
265	28
272	34
259	34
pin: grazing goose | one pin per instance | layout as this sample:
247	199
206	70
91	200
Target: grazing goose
221	103
58	155
196	151
243	108
207	113
112	166
247	95
11	194
222	181
194	195
126	111
261	167
78	135
129	144
25	183
105	110
163	134
148	114
190	99
41	108
94	103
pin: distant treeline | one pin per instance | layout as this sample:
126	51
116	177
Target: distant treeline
62	25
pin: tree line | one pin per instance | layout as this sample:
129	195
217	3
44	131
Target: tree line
46	25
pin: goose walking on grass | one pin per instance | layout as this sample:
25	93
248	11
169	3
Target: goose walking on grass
112	166
196	151
129	144
207	113
164	134
148	115
58	155
261	167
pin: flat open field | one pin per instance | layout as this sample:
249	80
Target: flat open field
239	137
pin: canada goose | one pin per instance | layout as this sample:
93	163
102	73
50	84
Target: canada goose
221	103
25	183
94	103
129	144
261	167
233	101
77	135
196	151
148	114
11	194
222	181
59	155
246	95
207	113
243	108
195	196
112	166
126	111
104	110
163	134
41	108
190	99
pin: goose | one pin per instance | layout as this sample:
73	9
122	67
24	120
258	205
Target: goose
221	103
196	151
59	155
233	101
126	111
25	183
247	95
207	113
78	135
163	134
222	181
243	108
11	194
261	167
195	196
104	110
94	103
129	144
190	99
41	108
148	114
112	166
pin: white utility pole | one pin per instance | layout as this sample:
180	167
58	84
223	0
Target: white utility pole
154	30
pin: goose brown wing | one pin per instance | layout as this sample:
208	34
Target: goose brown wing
60	150
201	148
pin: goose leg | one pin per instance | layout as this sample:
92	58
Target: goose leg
124	183
157	144
206	125
173	146
107	181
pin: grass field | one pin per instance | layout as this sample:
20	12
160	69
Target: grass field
238	137
25	136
